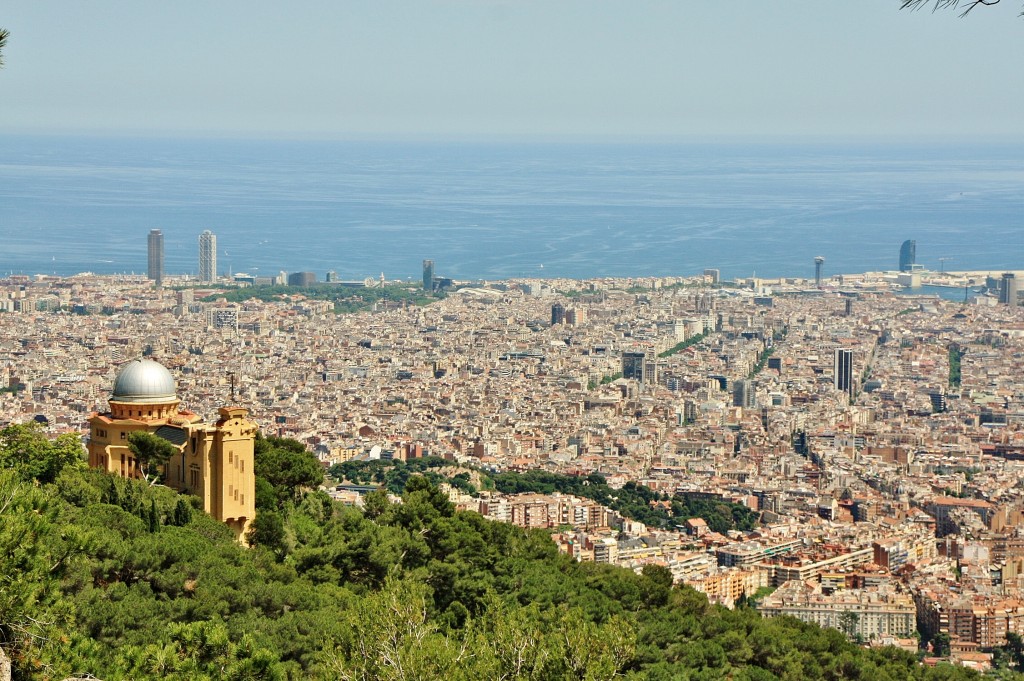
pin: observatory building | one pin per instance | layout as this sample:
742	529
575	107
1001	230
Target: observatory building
214	461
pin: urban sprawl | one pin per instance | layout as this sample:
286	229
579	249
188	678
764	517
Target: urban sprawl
877	436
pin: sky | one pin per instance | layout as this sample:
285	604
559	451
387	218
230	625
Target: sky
546	68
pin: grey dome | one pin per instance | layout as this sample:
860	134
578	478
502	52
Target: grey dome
143	380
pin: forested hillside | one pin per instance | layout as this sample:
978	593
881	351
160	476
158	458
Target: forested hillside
122	580
632	500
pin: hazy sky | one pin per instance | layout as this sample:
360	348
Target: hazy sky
536	67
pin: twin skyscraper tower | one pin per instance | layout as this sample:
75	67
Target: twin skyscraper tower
207	257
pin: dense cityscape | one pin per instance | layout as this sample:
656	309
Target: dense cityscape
875	436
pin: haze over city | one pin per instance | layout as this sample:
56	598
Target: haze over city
456	68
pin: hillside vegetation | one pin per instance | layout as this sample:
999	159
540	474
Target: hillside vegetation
632	500
123	580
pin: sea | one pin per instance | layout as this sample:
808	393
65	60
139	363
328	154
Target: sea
508	209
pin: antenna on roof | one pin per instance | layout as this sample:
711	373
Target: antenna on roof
231	374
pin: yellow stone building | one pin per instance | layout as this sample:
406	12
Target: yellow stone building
214	460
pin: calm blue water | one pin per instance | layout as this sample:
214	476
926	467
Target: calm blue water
72	204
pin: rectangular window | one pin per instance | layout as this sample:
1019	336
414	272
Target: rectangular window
124	435
231	456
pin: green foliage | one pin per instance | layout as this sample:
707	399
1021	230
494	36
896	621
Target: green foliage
25	448
762	359
151	451
345	298
32	549
411	590
287	467
689	342
633	500
393	474
956	353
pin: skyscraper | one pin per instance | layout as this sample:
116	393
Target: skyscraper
743	394
1008	289
908	255
557	314
633	365
428	275
156	256
207	257
842	377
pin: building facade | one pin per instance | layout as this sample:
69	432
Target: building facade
557	314
207	257
156	256
428	275
634	366
908	255
863	613
301	279
842	376
214	460
1008	287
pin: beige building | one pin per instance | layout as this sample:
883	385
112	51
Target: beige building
876	612
214	461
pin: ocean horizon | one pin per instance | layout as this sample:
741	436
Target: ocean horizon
71	204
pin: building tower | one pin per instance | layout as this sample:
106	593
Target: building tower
908	255
428	275
633	365
1008	289
213	461
818	262
842	377
207	257
743	394
156	256
557	314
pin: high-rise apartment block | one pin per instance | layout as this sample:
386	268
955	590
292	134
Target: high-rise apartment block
156	256
1008	289
557	314
207	257
842	376
744	394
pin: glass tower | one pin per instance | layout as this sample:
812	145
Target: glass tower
908	255
428	275
156	256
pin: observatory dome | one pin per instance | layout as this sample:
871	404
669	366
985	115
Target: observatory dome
145	381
